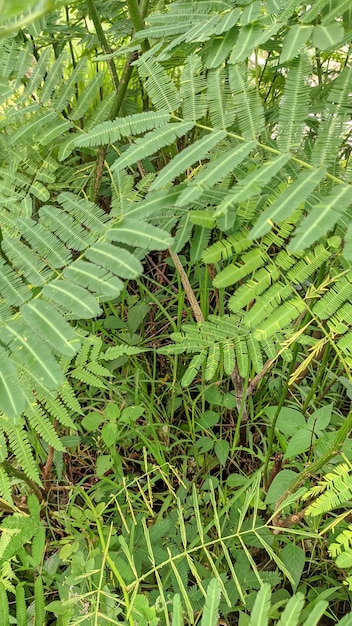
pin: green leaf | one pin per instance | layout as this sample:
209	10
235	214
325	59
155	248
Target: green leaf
205	219
54	131
4	603
281	482
316	613
21	610
294	41
109	433
197	151
260	611
95	278
222	449
5	486
246	41
104	463
288	421
294	107
291	614
211	606
140	234
213	172
177	613
192	370
33	353
251	37
327	36
117	260
151	143
39	602
158	84
253	183
320	419
321	218
87	96
112	131
12	399
344	560
293	558
52	326
219	48
249	107
92	421
22	528
77	301
286	203
192	88
299	443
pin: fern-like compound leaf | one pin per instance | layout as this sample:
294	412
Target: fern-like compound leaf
32	352
99	280
195	152
49	323
213	172
151	142
112	131
76	301
117	260
18	440
138	233
286	203
294	108
158	84
12	399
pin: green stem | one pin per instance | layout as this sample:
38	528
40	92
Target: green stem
121	86
137	15
94	15
115	109
143	7
317	378
109	560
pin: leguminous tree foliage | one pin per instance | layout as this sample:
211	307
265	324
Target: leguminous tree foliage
215	125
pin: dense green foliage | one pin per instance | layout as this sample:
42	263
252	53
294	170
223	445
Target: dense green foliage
175	312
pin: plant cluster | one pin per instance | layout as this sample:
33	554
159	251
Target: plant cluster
175	312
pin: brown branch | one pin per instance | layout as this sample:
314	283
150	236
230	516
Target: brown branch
197	312
256	380
47	467
238	385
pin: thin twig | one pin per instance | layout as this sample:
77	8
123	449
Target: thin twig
187	287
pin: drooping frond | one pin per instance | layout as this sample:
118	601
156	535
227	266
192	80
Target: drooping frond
18	440
112	131
158	84
249	109
294	107
151	143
